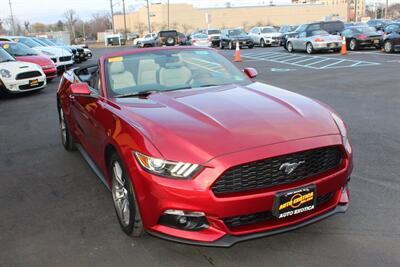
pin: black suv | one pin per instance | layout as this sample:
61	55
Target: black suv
168	38
332	27
379	24
230	37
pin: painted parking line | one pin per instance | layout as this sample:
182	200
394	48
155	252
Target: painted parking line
308	61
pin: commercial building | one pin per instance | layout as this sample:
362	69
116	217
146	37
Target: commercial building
186	18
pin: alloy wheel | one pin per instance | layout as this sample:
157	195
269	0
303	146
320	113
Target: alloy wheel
120	193
262	43
388	47
289	47
309	48
353	44
63	128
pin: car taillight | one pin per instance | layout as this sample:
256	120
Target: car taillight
361	36
319	40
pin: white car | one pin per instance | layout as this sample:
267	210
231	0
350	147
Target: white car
61	57
18	76
265	36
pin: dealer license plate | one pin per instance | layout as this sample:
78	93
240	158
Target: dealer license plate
295	201
33	83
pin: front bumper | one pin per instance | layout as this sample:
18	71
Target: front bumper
327	45
156	195
51	73
273	41
20	86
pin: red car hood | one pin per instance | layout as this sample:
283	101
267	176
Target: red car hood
201	124
39	60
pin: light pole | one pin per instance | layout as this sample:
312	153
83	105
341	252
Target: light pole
112	15
148	16
12	18
386	8
168	14
123	8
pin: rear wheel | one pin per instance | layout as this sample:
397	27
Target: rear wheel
353	45
230	45
388	47
289	47
309	48
250	46
66	138
124	198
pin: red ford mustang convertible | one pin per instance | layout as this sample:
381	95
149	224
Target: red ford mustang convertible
193	150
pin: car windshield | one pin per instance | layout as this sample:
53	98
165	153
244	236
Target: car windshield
319	32
364	30
39	41
167	70
18	49
28	42
4	56
200	36
47	41
236	32
268	30
214	32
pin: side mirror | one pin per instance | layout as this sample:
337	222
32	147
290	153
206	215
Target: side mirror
80	89
250	72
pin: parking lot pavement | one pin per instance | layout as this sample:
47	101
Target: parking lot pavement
55	212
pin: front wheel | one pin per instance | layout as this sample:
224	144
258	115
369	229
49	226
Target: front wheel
230	46
309	48
221	46
124	198
250	46
289	47
388	47
67	139
262	43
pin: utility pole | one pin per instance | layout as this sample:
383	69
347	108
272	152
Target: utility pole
123	8
386	9
148	16
112	15
12	18
355	10
168	14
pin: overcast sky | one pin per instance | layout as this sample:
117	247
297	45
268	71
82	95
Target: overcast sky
50	11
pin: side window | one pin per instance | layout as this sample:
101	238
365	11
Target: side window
95	82
303	35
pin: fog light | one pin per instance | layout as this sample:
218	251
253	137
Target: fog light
184	220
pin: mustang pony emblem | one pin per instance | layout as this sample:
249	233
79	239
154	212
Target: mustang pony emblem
288	168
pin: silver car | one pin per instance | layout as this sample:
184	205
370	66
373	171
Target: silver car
311	41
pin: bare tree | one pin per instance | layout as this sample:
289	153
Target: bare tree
27	25
186	28
71	19
39	27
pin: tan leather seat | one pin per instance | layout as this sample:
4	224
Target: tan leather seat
175	74
120	77
147	72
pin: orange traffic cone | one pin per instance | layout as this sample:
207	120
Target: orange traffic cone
237	53
344	47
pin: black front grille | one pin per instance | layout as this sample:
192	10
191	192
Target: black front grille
259	217
28	86
28	74
63	59
269	172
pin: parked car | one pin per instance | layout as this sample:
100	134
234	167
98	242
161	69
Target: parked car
285	36
361	36
200	39
314	40
78	52
391	37
214	35
23	53
148	40
287	28
379	24
183	39
168	38
230	37
193	155
132	36
61	58
265	36
17	77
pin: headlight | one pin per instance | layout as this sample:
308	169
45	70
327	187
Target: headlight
5	73
47	53
343	131
166	168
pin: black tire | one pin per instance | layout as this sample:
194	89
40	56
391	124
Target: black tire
262	43
221	46
309	48
250	46
353	45
170	41
67	139
134	227
230	45
289	47
388	47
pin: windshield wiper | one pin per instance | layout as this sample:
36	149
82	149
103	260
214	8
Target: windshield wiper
137	94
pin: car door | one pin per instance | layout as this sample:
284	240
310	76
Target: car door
255	35
298	41
87	112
